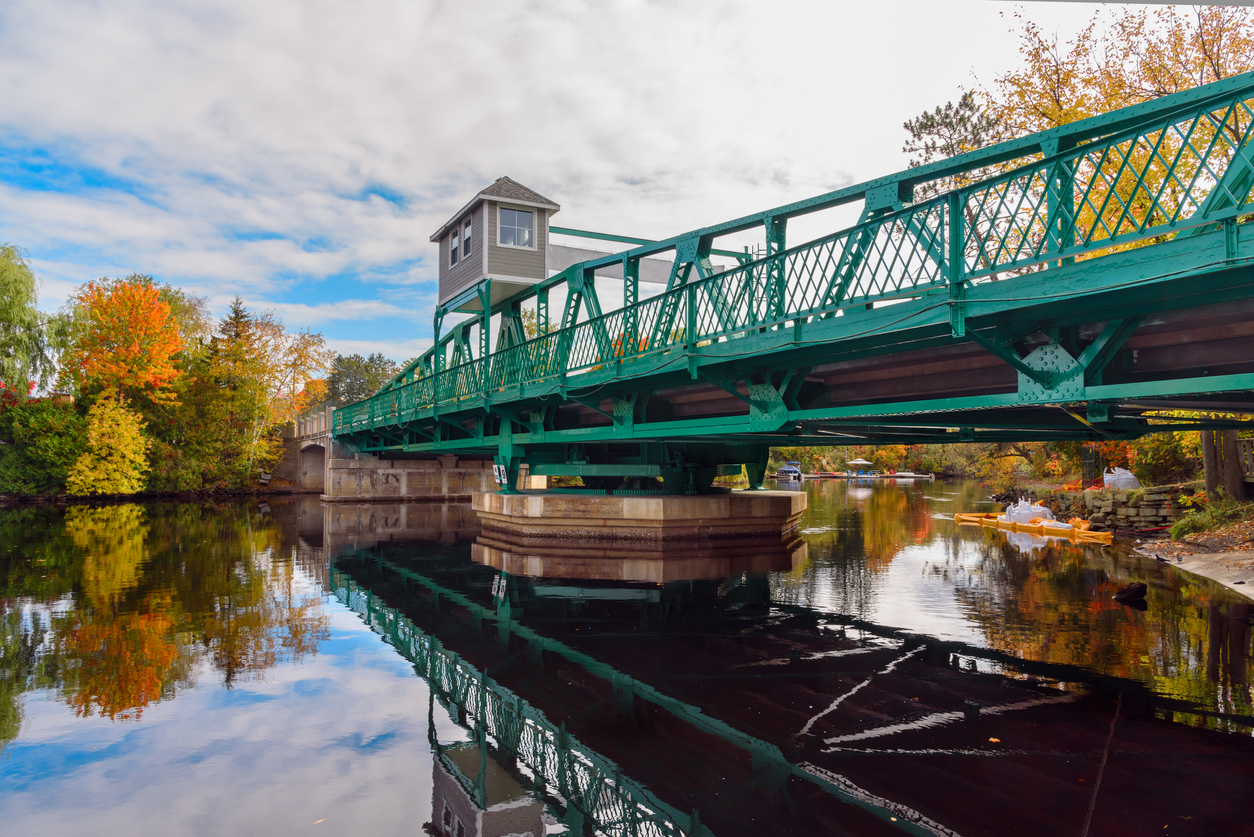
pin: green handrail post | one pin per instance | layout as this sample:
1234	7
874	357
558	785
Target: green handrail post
955	266
1060	201
690	335
631	296
776	233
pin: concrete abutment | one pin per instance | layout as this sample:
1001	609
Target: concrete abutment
367	478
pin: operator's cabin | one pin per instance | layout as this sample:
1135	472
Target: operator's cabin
502	234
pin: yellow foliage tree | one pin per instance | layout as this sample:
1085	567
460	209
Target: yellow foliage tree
1137	56
116	459
112	541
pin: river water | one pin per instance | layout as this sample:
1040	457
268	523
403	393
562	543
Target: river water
285	667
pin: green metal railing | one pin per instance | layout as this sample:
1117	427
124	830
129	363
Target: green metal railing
1079	192
615	805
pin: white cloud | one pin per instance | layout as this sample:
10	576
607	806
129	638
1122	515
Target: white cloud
275	119
398	350
299	314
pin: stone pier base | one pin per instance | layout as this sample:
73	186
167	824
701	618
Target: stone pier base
741	518
648	563
369	479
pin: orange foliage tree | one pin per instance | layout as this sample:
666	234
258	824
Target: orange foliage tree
117	664
123	339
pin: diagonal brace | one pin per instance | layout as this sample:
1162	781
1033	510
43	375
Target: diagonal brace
729	389
1009	356
1102	350
591	405
454	425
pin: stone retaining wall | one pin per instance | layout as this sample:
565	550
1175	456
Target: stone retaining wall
1121	509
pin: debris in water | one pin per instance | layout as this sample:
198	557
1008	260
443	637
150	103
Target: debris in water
1133	595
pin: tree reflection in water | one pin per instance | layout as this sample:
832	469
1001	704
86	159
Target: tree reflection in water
118	606
1048	600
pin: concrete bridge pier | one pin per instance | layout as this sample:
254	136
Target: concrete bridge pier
640	538
310	449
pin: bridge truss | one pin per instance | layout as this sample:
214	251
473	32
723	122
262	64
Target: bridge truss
1069	285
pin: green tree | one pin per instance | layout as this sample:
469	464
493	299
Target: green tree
28	339
947	131
354	378
40	439
247	380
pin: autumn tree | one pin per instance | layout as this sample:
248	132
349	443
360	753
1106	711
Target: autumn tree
1138	55
116	458
123	340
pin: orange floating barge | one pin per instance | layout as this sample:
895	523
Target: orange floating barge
1077	530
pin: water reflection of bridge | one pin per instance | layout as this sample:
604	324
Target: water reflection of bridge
702	679
591	788
574	776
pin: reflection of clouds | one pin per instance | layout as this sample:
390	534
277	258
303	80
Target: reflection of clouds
341	737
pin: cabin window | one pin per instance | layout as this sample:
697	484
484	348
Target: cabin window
448	818
466	240
452	250
517	228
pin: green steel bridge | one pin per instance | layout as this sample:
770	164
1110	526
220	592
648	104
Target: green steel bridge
1075	284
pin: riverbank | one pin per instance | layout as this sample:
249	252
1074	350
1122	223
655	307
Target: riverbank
1224	555
200	495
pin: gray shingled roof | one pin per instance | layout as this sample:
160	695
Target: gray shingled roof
504	188
512	190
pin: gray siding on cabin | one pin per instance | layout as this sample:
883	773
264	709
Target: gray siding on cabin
469	270
515	261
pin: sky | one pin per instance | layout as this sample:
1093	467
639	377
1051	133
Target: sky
299	153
